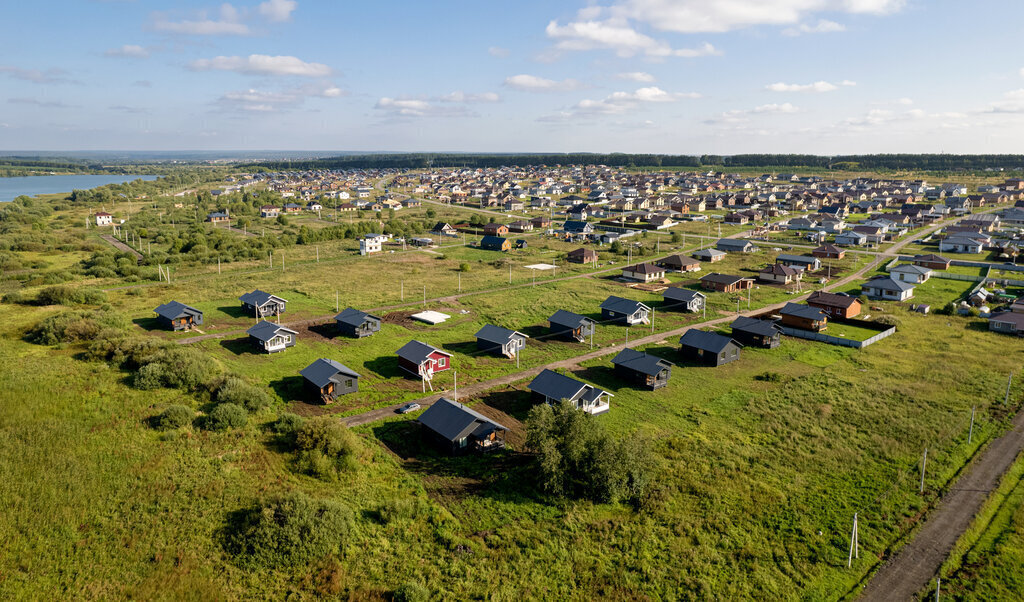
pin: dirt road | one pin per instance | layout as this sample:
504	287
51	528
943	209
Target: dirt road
120	246
914	567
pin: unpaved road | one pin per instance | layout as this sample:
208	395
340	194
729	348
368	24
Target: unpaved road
120	246
912	569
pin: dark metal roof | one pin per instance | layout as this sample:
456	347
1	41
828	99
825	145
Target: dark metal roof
492	241
831	299
265	331
556	386
622	306
675	293
721	278
353	317
568	319
644	268
733	243
708	341
678	261
175	310
755	326
417	352
640	361
497	334
803	311
258	298
453	421
804	259
323	370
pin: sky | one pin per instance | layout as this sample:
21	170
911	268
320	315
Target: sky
647	76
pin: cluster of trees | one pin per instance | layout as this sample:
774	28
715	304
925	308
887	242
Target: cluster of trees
324	448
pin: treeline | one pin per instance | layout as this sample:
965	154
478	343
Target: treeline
26	166
920	162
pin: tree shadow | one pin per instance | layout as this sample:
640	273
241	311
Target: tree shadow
386	366
234	311
466	348
289	388
148	324
328	330
516	404
239	346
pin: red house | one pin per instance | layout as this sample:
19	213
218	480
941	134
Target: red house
934	262
828	251
423	360
496	229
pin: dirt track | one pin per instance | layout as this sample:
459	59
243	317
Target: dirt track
904	575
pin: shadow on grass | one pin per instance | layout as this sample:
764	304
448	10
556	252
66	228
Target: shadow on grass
465	348
386	366
328	330
538	333
148	324
234	311
602	376
516	404
289	388
239	346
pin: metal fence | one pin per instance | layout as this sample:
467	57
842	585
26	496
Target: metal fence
831	340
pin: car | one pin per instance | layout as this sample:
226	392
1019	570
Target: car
409	407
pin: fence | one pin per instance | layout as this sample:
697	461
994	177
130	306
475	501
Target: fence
824	338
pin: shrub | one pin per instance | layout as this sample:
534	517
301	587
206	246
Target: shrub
239	392
173	417
289	530
326	447
226	416
405	508
464	267
411	591
72	326
63	294
150	376
287	427
187	368
888	320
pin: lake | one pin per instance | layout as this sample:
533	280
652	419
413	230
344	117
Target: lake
11	188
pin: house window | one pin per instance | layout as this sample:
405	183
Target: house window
440	362
348	383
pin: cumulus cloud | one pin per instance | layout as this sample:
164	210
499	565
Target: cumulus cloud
264	101
743	115
459	96
278	10
261	64
454	104
636	76
50	76
819	86
128	51
618	103
1011	102
227	21
619	36
533	83
822	26
700	16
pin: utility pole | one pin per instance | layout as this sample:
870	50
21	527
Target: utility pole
924	462
1009	380
970	434
854	543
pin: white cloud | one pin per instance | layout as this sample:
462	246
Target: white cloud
227	22
419	107
822	26
50	76
636	76
618	36
128	51
278	10
819	86
498	51
533	83
743	115
1011	102
459	96
47	104
261	64
701	16
262	101
619	103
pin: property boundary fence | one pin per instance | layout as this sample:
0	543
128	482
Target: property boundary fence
831	340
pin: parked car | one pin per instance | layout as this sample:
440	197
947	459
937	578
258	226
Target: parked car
409	407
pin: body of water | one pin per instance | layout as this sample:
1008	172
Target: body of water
11	188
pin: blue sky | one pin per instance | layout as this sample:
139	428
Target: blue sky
664	76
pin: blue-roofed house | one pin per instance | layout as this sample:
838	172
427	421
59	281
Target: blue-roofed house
552	387
495	339
641	368
627	311
326	379
708	348
270	337
457	429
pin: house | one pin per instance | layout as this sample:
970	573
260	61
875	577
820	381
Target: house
683	299
710	255
259	304
802	261
326	379
577	227
756	333
708	348
780	274
495	243
444	229
852	239
541	222
582	255
643	272
960	244
908	272
269	211
641	368
887	289
680	263
552	388
355	323
733	245
520	226
804	317
626	311
935	262
419	359
828	251
495	229
104	219
314	206
1007	323
292	208
495	339
834	304
725	283
270	337
572	326
178	316
457	429
370	244
217	217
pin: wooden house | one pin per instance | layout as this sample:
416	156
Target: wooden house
502	341
553	388
931	261
495	243
457	429
680	263
259	304
780	274
178	316
567	325
627	311
834	304
326	379
495	229
683	299
641	368
643	272
270	337
804	317
423	360
355	323
828	251
582	255
520	226
708	348
752	332
725	283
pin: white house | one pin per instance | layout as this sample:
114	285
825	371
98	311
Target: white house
909	272
104	219
887	289
370	244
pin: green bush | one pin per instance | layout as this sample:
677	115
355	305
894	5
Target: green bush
289	530
63	294
149	377
187	368
226	416
464	267
326	447
411	592
75	325
287	427
239	392
174	417
406	508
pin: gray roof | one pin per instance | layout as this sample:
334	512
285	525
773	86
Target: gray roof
453	421
175	310
557	386
733	243
709	253
417	351
722	278
622	306
708	341
911	269
685	295
888	284
492	240
497	334
640	361
353	317
798	258
755	326
265	331
569	319
258	298
644	268
803	311
323	371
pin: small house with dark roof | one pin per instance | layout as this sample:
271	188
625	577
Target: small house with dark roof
582	255
752	332
799	261
217	217
680	263
804	317
457	429
834	304
913	273
355	323
444	229
1007	323
683	299
495	229
735	245
552	388
423	360
577	227
326	379
780	274
627	311
708	348
643	272
178	316
641	368
932	261
495	243
502	341
568	325
724	283
828	251
259	304
270	337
